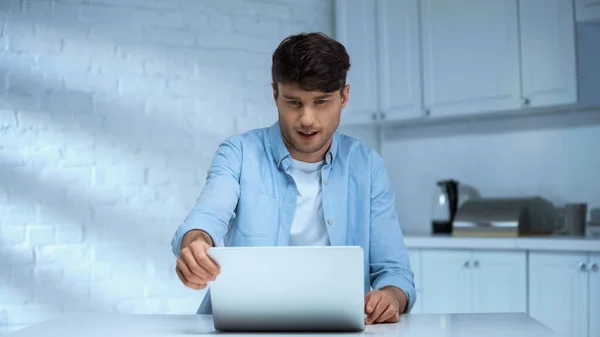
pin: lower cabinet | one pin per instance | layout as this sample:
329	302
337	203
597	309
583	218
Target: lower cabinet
564	292
559	289
469	281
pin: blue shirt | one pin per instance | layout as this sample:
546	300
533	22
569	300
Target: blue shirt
249	200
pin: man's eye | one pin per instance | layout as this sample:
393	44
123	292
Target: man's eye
320	101
294	103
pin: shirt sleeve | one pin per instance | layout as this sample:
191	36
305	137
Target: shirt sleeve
389	260
215	206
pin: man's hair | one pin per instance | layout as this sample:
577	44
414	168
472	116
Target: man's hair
313	61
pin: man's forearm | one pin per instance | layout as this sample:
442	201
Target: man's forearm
399	295
194	235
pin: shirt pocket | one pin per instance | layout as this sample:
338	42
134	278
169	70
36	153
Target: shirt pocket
256	214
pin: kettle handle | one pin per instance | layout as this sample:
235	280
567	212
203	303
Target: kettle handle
452	191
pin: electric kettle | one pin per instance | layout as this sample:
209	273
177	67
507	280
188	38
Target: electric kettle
444	206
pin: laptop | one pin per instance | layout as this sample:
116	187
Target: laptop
288	289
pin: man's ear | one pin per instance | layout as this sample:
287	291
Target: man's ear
345	95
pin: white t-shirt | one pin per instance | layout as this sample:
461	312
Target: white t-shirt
308	226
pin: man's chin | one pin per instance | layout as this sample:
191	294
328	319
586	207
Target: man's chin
306	144
308	149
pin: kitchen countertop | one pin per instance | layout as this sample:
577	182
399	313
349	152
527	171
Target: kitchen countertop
550	243
413	325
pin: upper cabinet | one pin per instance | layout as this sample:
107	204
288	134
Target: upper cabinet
470	56
399	59
548	52
423	59
587	10
355	28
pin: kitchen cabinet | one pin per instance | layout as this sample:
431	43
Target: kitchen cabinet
421	60
594	298
470	56
355	29
587	10
594	290
563	292
446	281
399	59
473	281
382	38
548	52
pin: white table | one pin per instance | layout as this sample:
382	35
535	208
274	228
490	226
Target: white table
413	325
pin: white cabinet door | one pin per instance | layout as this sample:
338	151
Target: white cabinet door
400	94
499	281
469	281
355	29
548	52
594	295
558	292
446	281
470	56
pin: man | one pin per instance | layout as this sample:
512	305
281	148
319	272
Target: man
301	182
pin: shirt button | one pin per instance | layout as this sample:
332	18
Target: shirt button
276	160
329	156
325	182
329	221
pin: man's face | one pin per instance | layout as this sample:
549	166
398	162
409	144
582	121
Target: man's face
308	119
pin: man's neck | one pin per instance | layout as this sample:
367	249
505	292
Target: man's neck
308	157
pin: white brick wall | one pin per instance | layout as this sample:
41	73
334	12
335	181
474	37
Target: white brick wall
110	111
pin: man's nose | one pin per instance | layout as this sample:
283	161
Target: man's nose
308	117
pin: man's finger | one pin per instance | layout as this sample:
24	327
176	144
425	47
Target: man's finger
371	301
187	273
201	274
388	315
382	305
205	262
186	282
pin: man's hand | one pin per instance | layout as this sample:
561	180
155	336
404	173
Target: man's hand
194	267
385	305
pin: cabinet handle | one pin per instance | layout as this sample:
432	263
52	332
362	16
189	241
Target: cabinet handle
382	115
525	101
582	266
374	116
467	264
476	264
594	267
427	112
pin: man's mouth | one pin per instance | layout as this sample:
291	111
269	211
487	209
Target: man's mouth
307	134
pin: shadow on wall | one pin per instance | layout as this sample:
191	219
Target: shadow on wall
152	124
200	66
154	133
113	122
107	226
99	216
56	290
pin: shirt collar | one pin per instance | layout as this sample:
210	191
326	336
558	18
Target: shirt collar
280	151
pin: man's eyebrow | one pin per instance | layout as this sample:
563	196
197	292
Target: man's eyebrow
323	96
288	97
